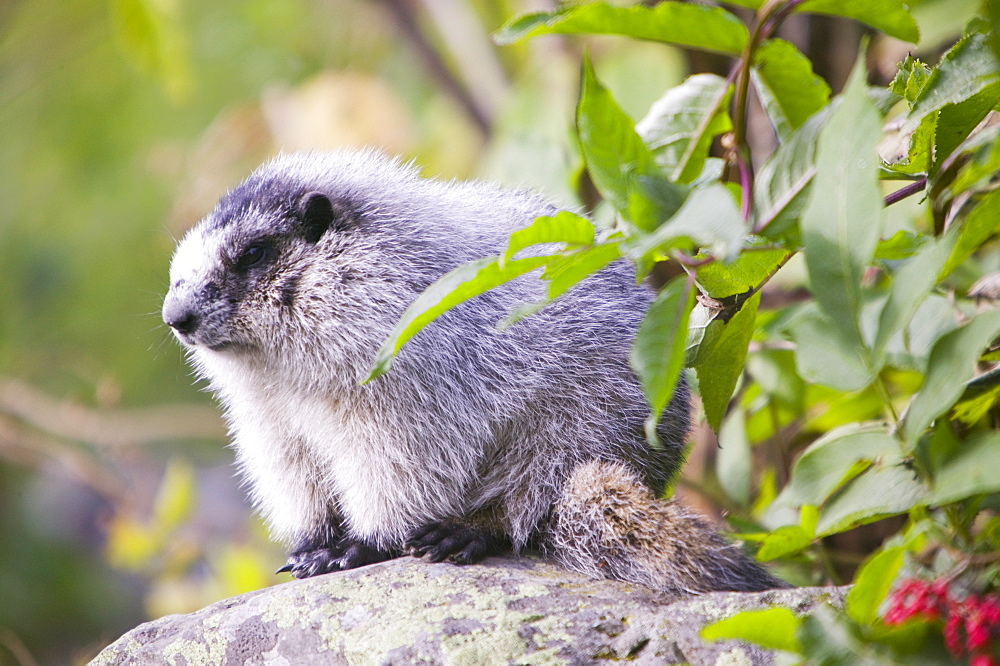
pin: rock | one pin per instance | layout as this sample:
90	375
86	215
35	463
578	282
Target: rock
405	611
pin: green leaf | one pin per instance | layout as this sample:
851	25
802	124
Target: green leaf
948	368
708	219
563	227
566	271
872	584
784	541
901	245
890	16
834	460
790	538
773	628
787	86
658	352
704	329
681	124
781	184
720	369
983	163
978	226
747	271
734	462
620	164
695	26
457	286
910	78
971	408
915	153
879	492
910	286
843	219
956	121
773	370
991	14
966	70
934	317
972	472
823	356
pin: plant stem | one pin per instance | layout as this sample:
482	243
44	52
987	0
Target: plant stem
767	20
906	191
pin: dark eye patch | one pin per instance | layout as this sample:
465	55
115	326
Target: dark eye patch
253	255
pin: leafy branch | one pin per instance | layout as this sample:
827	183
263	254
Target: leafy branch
875	369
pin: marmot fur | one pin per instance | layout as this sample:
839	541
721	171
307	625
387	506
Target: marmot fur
479	439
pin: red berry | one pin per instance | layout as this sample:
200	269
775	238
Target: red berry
984	660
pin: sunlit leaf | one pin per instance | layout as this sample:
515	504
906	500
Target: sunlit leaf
910	286
620	164
681	124
879	492
843	218
708	219
973	471
916	147
950	365
824	356
781	184
565	272
747	271
967	69
901	245
872	584
890	16
563	227
658	352
787	86
695	26
910	78
773	628
790	538
720	369
457	286
834	460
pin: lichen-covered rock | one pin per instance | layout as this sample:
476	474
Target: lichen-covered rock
506	611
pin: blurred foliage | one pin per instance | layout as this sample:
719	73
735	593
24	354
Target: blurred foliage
122	121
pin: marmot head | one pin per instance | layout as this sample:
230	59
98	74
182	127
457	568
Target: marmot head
296	259
240	258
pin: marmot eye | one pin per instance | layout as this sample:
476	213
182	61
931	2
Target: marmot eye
251	256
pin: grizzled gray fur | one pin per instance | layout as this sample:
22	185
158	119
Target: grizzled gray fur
476	439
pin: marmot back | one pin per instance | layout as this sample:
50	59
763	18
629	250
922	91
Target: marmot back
283	294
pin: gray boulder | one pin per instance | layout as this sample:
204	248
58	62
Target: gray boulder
405	611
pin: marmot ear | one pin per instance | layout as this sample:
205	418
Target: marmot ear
316	212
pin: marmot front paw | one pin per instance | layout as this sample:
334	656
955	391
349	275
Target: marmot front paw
346	554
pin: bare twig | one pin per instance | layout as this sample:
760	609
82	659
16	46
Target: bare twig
407	22
906	191
106	428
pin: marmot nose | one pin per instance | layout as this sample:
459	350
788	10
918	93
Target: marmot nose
186	323
179	317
